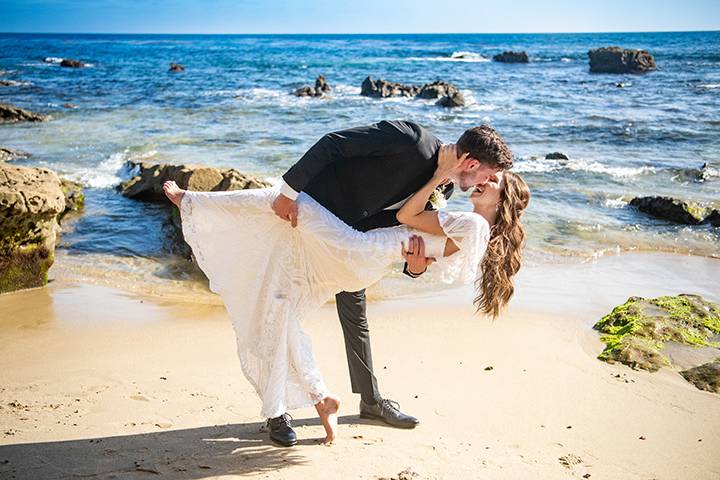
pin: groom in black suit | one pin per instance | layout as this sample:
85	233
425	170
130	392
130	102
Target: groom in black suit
363	175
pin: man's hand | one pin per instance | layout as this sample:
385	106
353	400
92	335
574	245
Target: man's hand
285	209
415	257
448	160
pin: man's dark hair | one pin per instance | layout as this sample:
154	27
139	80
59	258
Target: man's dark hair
487	146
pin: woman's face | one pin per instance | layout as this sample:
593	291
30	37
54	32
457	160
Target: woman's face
484	196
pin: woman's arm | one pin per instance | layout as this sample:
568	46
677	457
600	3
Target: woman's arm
413	212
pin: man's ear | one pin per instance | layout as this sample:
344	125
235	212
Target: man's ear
471	164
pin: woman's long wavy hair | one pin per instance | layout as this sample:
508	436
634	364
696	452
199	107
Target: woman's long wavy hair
504	251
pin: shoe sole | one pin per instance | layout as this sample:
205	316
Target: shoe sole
282	444
370	416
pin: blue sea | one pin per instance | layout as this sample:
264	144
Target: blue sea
625	135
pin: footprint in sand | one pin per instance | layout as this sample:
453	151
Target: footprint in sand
140	398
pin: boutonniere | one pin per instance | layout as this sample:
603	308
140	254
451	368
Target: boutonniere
437	199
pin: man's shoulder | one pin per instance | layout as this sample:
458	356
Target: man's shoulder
405	127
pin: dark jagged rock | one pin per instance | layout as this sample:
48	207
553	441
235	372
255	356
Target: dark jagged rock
147	184
70	63
620	60
381	88
12	114
7	83
713	218
8	154
449	94
457	99
671	209
556	156
31	199
321	87
509	56
705	376
69	105
635	332
437	89
176	67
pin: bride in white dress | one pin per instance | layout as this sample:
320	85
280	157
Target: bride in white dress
270	275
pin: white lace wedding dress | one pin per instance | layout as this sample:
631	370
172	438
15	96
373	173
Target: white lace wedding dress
271	275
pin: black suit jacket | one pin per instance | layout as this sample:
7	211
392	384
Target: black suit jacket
358	172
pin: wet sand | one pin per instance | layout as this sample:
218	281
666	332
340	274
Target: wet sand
103	383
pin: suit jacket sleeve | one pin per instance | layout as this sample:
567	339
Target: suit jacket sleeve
354	144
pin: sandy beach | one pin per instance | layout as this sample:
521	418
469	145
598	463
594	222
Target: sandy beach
98	382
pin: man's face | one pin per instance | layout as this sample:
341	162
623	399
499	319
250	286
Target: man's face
477	174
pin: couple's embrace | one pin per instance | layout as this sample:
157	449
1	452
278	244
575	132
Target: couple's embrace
358	202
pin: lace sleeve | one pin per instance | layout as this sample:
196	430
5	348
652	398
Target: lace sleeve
471	234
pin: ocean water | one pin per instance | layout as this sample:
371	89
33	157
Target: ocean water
232	107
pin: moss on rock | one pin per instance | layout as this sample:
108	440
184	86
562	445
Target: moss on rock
635	332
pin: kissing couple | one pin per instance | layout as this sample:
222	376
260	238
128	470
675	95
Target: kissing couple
358	201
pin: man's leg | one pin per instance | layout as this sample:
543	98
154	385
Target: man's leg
353	318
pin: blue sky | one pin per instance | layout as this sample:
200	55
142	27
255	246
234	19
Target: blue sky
357	16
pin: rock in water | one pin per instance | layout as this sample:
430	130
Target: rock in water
30	201
556	156
176	67
70	63
321	87
635	331
437	89
8	154
509	56
671	209
448	93
457	99
713	219
382	88
705	376
147	185
620	60
74	196
11	114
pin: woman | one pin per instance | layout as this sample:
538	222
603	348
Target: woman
271	275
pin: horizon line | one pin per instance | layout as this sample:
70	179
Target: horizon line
360	33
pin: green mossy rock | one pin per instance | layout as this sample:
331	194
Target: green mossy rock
74	196
635	332
30	201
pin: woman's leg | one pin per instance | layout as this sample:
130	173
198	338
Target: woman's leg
173	192
302	360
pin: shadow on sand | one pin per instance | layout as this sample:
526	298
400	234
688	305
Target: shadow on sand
185	454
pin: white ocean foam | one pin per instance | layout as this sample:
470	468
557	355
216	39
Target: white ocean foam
565	59
615	202
460	56
57	61
110	171
710	86
543	165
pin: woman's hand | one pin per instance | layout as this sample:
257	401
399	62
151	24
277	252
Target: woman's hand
448	160
414	255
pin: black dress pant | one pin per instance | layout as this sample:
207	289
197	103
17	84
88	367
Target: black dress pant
353	318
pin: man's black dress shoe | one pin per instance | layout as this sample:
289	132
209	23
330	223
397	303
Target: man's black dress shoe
281	431
389	412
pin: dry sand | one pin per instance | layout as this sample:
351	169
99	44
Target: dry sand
99	383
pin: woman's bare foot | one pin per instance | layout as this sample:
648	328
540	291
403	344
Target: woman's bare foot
173	192
327	408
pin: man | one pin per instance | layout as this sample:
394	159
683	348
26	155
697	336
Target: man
364	175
